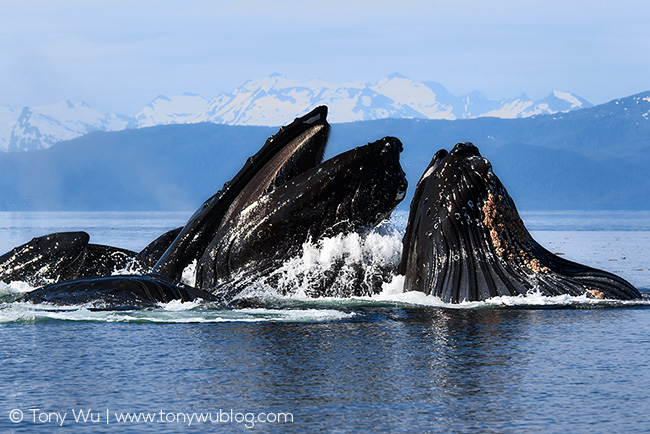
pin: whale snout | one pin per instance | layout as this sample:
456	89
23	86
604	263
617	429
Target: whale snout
392	144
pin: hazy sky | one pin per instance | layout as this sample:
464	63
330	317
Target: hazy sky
117	55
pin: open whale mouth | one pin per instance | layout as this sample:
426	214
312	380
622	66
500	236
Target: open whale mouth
350	192
283	197
296	148
465	240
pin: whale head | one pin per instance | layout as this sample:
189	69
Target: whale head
45	259
465	240
349	192
294	149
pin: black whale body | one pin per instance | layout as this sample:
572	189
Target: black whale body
63	256
60	257
116	292
49	258
347	193
282	197
297	147
465	240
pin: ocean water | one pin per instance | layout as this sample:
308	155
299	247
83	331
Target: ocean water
394	362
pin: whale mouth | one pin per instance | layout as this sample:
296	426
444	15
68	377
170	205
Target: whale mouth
295	149
465	240
350	192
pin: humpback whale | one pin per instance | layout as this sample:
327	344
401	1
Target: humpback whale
45	259
282	197
295	148
116	292
352	191
61	256
465	241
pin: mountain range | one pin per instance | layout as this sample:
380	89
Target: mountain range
274	101
594	158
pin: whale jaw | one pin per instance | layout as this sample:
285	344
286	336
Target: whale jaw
465	241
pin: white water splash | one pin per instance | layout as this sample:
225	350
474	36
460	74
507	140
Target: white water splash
532	300
132	267
340	266
188	277
394	287
14	288
174	312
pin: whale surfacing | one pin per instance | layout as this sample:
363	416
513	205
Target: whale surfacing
62	256
297	147
350	192
282	197
115	292
48	258
465	241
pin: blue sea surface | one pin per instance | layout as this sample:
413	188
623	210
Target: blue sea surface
393	363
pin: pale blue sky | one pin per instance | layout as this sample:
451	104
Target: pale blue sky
117	55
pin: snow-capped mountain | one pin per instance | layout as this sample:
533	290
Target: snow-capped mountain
273	101
184	109
524	107
41	127
418	96
8	118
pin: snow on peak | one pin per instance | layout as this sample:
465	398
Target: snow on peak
273	101
569	100
42	126
182	109
417	96
274	81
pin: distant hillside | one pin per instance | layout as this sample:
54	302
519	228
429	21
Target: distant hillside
594	158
